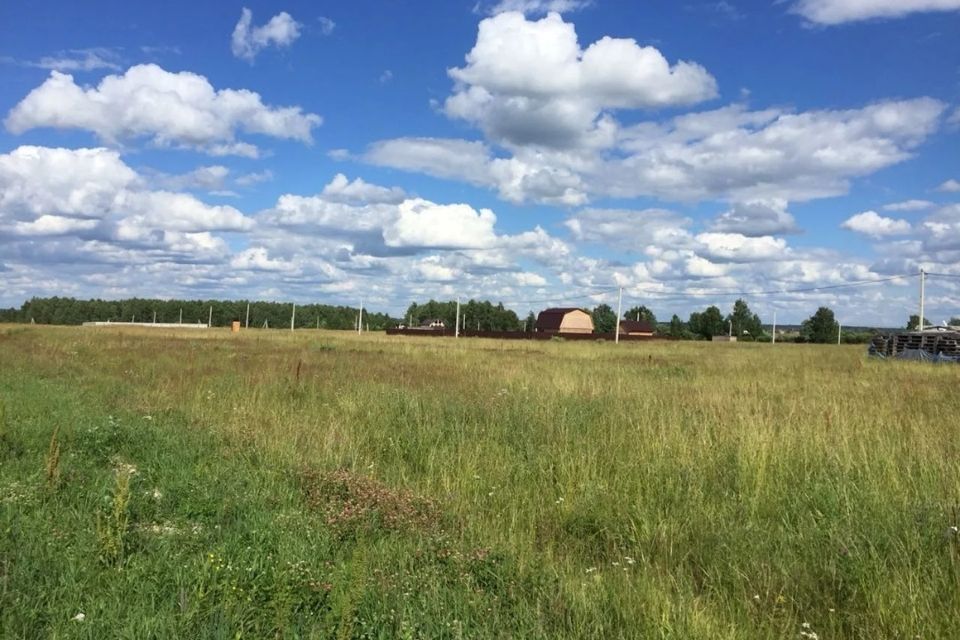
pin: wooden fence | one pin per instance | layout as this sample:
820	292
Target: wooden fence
516	335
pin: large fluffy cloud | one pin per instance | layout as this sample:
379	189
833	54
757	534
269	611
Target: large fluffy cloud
529	82
247	40
635	231
872	224
745	156
756	218
831	12
93	197
420	223
169	109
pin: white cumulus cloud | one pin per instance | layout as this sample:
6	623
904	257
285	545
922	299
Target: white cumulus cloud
341	189
247	40
91	194
832	12
909	205
169	109
539	7
735	247
756	218
421	223
769	156
529	82
872	224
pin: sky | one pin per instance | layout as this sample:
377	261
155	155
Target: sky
796	153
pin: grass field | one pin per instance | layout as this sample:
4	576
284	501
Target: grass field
326	485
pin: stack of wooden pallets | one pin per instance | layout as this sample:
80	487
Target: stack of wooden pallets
933	342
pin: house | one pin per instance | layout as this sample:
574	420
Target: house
564	320
636	328
724	339
433	323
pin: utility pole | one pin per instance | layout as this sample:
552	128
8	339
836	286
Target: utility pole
922	279
154	317
181	315
839	331
360	319
730	328
293	315
246	325
616	336
456	329
210	317
774	341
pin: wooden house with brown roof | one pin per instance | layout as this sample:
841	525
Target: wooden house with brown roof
636	328
564	320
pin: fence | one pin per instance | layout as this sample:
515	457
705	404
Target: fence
516	335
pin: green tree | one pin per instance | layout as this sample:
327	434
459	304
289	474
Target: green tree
914	321
821	327
707	324
677	328
531	323
641	313
954	322
604	319
745	321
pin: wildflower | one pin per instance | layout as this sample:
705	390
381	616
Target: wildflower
629	559
125	468
756	597
156	494
148	418
80	617
591	569
558	500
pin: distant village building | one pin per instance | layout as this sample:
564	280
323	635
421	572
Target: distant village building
564	320
434	323
724	338
636	328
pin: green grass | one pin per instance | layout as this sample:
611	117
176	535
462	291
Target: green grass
333	486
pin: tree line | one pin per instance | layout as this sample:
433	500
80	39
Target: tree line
741	322
71	311
474	315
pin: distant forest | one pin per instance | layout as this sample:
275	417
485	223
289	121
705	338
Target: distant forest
481	316
71	311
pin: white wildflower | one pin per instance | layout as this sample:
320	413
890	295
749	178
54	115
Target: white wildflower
80	617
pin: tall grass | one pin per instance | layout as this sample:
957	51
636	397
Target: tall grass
343	486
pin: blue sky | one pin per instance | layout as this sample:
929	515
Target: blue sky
537	152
